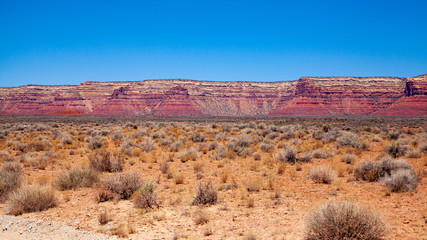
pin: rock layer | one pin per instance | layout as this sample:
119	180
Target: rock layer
306	96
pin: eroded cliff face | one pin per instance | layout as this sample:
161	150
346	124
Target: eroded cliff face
306	96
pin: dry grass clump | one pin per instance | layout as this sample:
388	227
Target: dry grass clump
75	178
146	197
189	154
322	174
201	217
164	167
205	194
31	198
10	178
104	216
343	220
122	184
105	162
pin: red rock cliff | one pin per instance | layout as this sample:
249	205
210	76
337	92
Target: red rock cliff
306	96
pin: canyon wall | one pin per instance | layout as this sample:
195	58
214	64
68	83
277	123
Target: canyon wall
383	96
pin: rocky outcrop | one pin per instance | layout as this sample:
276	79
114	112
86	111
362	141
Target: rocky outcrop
306	96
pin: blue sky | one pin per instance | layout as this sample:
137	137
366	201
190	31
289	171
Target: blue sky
68	42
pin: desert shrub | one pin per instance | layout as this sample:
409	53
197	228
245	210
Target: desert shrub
394	135
189	154
372	171
322	174
212	146
105	162
31	198
122	184
288	134
146	197
423	147
175	146
37	146
10	178
272	135
205	194
201	217
402	180
396	149
348	158
219	153
164	167
343	220
320	153
243	141
348	139
266	146
75	178
413	154
147	144
94	143
197	137
288	155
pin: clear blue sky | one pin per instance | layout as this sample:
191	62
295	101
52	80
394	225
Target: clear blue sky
68	42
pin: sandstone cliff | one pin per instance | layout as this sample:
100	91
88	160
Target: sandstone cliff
306	96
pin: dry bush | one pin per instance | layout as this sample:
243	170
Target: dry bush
219	153
174	147
288	155
266	146
372	171
75	178
122	184
320	153
164	167
197	137
10	178
413	154
146	197
205	194
148	144
95	143
179	178
104	216
201	217
189	154
31	198
402	180
104	195
348	139
396	149
243	141
105	162
254	185
322	174
348	158
343	220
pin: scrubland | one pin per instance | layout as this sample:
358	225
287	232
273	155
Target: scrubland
273	178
